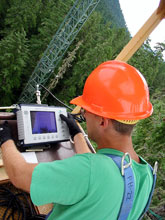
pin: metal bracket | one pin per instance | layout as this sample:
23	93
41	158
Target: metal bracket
38	95
126	165
155	168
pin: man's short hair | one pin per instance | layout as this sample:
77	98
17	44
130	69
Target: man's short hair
124	129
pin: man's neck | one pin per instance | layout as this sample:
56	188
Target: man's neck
121	143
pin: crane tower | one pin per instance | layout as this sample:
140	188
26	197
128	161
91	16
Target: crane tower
59	44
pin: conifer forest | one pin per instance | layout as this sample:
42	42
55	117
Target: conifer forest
27	27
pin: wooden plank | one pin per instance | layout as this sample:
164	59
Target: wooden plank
44	209
1	163
3	175
135	43
161	7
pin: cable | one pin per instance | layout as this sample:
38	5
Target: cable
56	98
155	215
13	204
17	204
80	118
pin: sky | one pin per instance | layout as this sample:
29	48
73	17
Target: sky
137	12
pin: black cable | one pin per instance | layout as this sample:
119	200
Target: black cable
29	205
22	205
17	203
56	97
12	203
79	119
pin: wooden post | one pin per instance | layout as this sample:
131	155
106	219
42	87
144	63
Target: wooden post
135	43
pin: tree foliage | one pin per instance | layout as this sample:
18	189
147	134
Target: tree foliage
26	29
149	141
111	11
150	63
15	56
99	45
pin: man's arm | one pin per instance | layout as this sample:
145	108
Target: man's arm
80	144
18	170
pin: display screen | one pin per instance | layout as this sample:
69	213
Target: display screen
43	122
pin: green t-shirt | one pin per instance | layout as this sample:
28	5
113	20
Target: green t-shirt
88	187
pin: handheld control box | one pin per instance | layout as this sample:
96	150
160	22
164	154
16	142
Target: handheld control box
41	124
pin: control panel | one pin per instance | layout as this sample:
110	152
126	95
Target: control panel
41	124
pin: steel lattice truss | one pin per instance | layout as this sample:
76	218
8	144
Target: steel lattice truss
63	38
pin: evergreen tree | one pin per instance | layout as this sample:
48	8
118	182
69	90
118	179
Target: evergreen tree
36	22
149	63
13	59
26	29
99	46
148	140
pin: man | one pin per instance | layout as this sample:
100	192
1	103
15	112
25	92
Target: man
90	186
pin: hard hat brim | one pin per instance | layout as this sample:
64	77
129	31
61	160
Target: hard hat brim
136	116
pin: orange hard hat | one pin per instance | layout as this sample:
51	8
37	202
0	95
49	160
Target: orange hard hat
116	90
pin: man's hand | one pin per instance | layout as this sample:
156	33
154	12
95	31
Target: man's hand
5	133
72	125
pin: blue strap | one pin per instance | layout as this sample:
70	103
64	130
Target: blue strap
48	214
151	194
129	188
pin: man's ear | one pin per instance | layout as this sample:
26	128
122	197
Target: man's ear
104	122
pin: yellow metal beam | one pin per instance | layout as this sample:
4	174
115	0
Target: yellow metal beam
135	43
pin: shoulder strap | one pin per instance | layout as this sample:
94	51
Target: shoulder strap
129	185
152	189
47	216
